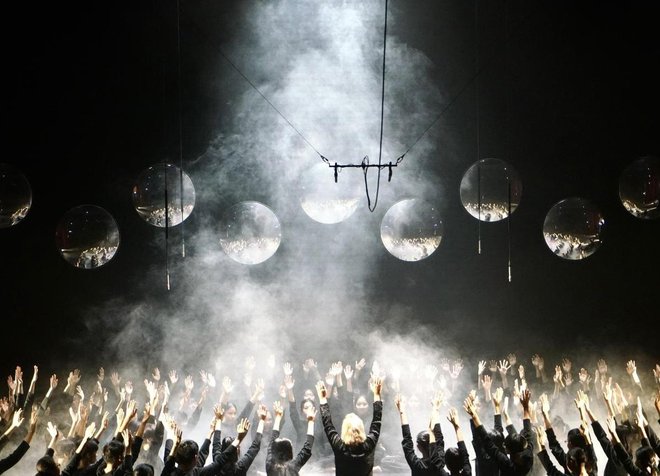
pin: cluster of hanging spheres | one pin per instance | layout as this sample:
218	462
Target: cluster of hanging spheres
88	237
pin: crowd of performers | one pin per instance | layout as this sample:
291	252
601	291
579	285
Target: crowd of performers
110	424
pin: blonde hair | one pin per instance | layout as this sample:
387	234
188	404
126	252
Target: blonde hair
352	430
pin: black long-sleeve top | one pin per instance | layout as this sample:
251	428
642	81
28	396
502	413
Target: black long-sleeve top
626	461
208	470
241	467
424	466
354	460
560	455
292	467
14	457
550	469
507	467
466	469
613	466
484	464
71	468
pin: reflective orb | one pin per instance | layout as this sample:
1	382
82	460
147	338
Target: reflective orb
87	237
572	228
328	202
639	188
15	196
149	195
250	233
411	230
487	188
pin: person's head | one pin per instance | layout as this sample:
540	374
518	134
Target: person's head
148	437
143	470
514	443
362	406
282	450
575	439
497	438
423	442
226	442
576	458
453	460
306	405
230	414
186	454
309	395
88	453
113	453
46	466
352	430
646	460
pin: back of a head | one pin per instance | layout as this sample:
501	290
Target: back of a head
226	443
423	442
352	430
644	456
453	460
89	449
575	458
515	443
113	452
46	466
497	438
186	453
143	470
575	438
282	450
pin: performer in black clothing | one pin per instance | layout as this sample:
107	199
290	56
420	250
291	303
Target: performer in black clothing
354	451
22	448
280	460
519	446
429	442
234	465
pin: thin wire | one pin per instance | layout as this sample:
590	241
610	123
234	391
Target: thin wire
178	54
507	121
167	227
382	121
253	86
476	29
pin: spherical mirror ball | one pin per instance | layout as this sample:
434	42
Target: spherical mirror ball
572	228
411	230
328	202
87	237
15	196
250	232
149	195
487	187
639	188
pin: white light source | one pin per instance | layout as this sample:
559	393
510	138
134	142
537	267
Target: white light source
488	188
325	201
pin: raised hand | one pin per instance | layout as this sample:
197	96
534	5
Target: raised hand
128	386
262	412
486	382
53	382
287	368
227	387
348	372
538	362
481	367
51	429
321	390
242	428
310	412
456	369
399	403
566	365
436	401
89	431
277	409
115	380
218	412
545	404
173	376
376	386
189	383
74	378
155	374
359	364
17	418
503	367
453	417
469	407
497	398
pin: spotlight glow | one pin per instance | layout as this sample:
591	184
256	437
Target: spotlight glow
325	201
486	188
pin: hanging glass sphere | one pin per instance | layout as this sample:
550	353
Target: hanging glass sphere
325	201
149	195
15	196
411	230
639	188
488	188
87	237
572	228
250	233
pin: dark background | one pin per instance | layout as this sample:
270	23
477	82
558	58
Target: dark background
569	95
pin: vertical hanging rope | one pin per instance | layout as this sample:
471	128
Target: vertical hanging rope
180	113
508	221
476	74
167	232
382	116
